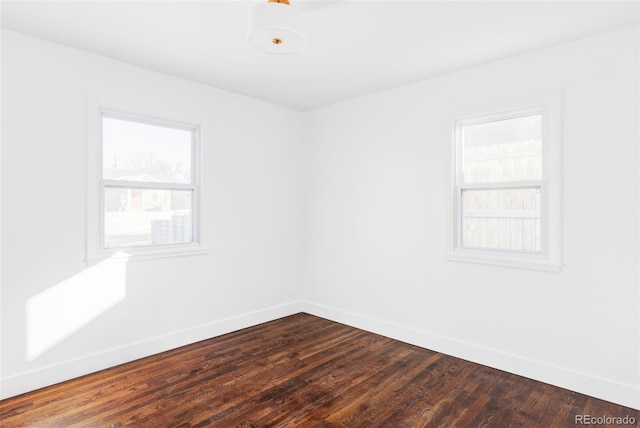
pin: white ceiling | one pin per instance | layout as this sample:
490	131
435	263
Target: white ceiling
353	47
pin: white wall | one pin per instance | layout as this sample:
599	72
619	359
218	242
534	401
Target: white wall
378	191
351	203
90	318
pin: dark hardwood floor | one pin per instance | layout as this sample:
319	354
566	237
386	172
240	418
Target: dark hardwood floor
302	371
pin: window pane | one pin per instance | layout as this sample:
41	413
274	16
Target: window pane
504	150
502	219
135	217
136	151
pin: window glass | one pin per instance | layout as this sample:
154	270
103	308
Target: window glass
502	151
134	151
140	217
502	219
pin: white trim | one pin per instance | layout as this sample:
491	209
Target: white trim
461	186
503	185
549	258
148	185
192	186
130	109
522	261
584	383
45	376
595	386
123	255
146	119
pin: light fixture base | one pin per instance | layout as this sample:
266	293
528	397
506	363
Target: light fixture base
273	28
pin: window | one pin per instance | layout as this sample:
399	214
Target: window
502	179
148	195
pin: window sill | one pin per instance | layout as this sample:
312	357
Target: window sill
131	255
505	261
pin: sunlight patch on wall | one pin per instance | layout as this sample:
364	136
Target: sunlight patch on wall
61	310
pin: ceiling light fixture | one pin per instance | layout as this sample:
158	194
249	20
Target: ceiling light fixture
272	28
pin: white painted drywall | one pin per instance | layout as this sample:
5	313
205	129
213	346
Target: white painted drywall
377	196
351	199
60	318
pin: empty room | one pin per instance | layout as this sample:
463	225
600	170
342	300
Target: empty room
301	213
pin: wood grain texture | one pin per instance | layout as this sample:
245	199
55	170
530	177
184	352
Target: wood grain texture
302	371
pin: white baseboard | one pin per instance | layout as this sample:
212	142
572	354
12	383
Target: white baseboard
605	389
623	394
39	378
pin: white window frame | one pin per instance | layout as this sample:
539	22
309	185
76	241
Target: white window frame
96	251
548	259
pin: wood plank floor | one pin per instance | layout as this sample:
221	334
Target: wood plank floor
302	371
